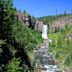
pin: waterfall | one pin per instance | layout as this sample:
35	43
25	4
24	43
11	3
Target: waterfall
44	32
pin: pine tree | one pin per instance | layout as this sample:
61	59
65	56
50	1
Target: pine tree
7	20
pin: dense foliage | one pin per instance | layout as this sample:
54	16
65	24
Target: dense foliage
15	40
26	36
61	46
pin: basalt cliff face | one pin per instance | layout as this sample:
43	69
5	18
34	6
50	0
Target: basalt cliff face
60	23
29	21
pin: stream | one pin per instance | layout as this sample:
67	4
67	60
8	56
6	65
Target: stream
44	60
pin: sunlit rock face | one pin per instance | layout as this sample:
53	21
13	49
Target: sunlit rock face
60	23
38	25
44	32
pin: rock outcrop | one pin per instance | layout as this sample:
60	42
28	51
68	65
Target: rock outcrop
26	19
60	23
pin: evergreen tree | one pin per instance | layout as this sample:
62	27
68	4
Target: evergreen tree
14	38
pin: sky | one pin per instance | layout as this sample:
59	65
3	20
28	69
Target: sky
39	8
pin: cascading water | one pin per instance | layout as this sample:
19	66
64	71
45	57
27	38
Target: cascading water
44	32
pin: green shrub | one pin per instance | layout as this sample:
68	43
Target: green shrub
13	66
61	46
57	54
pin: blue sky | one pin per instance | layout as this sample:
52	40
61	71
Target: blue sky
40	8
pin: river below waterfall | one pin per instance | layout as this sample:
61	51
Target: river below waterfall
44	60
